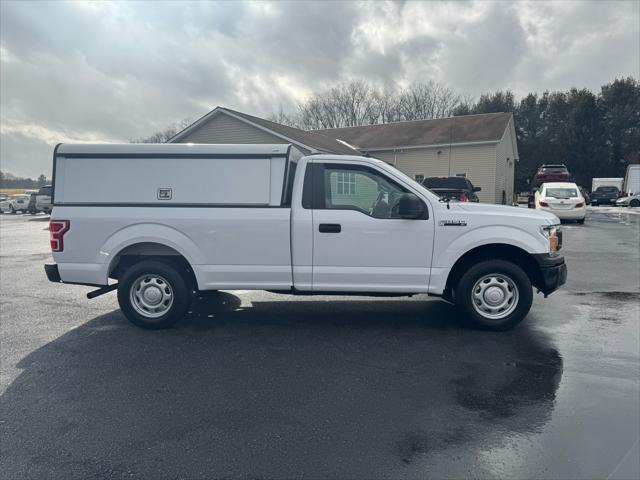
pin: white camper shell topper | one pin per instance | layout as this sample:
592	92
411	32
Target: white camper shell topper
165	220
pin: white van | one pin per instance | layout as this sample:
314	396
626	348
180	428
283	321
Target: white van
166	220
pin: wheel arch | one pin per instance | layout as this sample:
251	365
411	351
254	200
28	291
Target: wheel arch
146	241
493	251
137	252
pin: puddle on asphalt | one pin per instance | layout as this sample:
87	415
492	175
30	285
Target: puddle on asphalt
502	392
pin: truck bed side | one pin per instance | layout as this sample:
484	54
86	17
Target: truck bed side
227	247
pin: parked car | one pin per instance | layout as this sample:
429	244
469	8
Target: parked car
605	195
629	201
31	207
551	173
452	188
43	199
606	182
15	203
563	199
168	219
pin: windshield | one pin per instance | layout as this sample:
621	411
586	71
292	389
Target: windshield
562	192
412	181
45	191
553	169
458	183
606	189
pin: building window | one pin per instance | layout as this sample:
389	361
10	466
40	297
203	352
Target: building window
346	183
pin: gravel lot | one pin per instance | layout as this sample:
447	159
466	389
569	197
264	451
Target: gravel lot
254	385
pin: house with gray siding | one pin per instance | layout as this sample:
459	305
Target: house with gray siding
481	147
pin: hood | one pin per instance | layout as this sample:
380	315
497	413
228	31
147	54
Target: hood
507	211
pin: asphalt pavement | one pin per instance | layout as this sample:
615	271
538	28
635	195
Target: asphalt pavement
257	385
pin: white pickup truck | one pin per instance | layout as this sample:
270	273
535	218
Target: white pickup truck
167	220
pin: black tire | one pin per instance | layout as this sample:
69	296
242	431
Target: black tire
581	221
165	274
503	269
635	203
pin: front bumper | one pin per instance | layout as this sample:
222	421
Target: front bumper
553	272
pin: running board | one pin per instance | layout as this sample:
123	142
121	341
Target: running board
102	291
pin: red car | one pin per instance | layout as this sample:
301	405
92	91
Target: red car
551	173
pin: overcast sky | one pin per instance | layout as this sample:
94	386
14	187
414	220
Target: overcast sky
105	72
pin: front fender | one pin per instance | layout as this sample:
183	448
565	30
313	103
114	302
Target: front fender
489	235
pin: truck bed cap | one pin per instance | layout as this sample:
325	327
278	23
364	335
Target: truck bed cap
170	149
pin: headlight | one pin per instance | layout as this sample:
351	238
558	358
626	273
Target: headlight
554	234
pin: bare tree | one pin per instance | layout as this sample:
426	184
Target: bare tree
387	106
358	103
166	134
283	118
345	105
424	101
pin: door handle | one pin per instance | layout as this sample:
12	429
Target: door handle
330	228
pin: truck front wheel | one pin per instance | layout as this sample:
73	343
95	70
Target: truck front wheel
494	294
153	294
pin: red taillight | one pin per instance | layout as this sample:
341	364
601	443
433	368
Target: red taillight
579	205
57	228
543	204
463	198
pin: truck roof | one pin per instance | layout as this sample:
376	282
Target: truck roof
350	158
170	148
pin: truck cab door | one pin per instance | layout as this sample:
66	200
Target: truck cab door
360	243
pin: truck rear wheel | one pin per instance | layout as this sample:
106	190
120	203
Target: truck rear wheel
153	294
494	295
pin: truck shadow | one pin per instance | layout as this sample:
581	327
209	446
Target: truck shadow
273	389
211	310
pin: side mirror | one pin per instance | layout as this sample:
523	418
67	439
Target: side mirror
410	206
477	189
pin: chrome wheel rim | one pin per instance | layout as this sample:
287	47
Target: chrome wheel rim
151	295
495	296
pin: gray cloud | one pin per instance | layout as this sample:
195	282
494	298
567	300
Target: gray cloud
114	71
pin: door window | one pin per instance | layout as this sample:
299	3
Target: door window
361	189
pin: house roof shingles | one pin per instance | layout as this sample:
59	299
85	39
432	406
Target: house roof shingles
487	127
317	140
